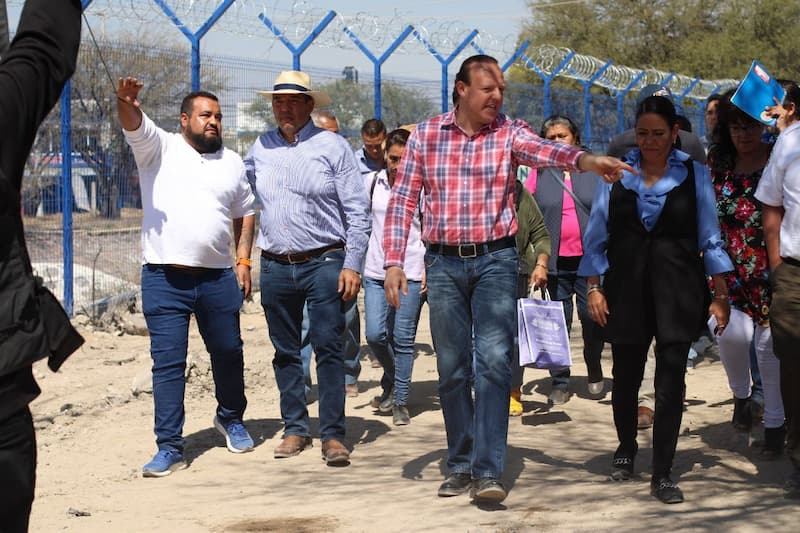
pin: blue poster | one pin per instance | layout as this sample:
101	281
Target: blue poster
757	91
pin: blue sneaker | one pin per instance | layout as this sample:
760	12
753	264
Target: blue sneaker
164	463
237	439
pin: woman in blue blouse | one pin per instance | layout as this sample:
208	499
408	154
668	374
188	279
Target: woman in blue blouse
654	237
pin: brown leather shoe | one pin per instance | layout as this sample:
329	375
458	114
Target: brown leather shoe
334	453
292	445
645	417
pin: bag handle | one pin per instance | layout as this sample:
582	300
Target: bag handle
545	293
574	196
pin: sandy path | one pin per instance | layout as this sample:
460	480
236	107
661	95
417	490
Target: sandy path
94	437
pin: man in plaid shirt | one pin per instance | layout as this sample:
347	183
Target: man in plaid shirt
466	161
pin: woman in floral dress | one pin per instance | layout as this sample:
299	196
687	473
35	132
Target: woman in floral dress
737	161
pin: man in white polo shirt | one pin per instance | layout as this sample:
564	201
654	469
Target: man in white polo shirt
194	192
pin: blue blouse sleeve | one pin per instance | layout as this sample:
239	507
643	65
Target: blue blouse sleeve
715	256
595	238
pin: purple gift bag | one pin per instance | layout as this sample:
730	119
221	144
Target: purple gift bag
543	336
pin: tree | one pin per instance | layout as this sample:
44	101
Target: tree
352	106
704	38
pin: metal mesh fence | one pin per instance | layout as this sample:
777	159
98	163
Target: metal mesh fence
107	213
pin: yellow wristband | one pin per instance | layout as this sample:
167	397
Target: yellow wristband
244	261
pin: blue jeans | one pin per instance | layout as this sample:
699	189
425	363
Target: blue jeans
169	297
306	350
351	341
390	334
284	291
562	287
467	295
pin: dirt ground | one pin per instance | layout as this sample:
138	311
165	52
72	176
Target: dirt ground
94	436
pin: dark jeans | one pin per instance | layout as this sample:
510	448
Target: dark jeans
351	341
629	360
562	286
784	318
17	471
284	290
169	297
472	305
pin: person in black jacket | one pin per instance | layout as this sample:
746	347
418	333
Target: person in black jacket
33	325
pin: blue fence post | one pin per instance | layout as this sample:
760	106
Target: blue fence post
621	101
377	62
194	37
66	196
445	61
679	104
297	51
516	55
701	110
547	78
66	192
587	102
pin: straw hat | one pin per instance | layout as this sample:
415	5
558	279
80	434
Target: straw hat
296	82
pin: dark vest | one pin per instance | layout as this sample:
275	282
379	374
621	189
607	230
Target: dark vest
656	282
549	197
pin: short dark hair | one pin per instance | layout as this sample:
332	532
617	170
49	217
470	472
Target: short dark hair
373	127
561	120
463	74
792	96
188	101
660	105
398	137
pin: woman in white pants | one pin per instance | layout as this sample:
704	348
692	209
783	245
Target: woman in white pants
737	160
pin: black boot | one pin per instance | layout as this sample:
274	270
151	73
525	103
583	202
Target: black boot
742	414
774	441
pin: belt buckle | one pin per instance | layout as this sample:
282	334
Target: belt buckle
474	253
295	261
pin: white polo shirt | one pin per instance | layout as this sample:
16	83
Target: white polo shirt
780	186
189	199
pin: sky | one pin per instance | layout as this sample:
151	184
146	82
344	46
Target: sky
499	21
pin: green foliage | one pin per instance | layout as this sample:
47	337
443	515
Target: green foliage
352	105
704	38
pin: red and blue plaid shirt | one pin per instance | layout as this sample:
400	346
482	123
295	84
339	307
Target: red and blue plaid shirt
468	181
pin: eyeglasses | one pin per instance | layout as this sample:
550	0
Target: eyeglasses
743	130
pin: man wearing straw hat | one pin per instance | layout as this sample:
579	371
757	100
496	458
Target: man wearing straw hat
314	230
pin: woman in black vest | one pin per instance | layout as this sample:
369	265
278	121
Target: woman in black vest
654	237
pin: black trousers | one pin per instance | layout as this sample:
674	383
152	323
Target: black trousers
629	361
17	471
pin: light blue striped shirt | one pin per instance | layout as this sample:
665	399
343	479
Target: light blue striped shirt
311	194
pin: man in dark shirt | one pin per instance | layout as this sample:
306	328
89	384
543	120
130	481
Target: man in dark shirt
32	324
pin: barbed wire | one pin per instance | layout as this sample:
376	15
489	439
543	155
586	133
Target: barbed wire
298	18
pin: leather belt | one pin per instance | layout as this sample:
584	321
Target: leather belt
301	257
791	261
472	249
